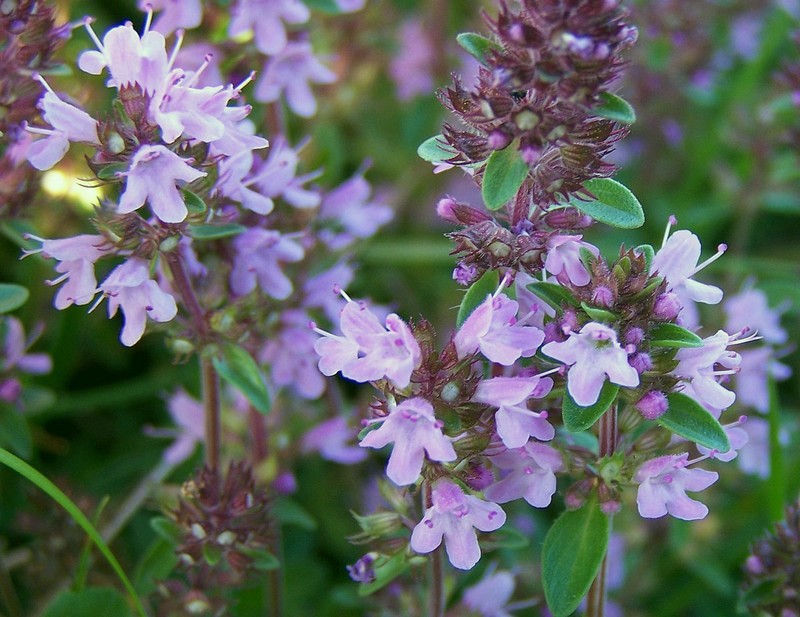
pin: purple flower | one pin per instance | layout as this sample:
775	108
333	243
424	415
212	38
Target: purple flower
754	457
259	253
531	474
266	18
493	329
350	6
750	310
489	597
454	517
152	177
189	417
348	206
592	354
696	364
415	431
751	383
69	124
368	351
515	422
232	183
322	290
677	261
76	256
663	483
564	258
289	73
330	438
412	66
291	358
175	14
276	177
129	287
737	437
15	350
128	58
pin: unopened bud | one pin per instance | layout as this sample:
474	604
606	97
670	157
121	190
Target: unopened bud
603	296
114	143
642	362
196	603
478	477
526	120
379	525
653	405
498	140
667	306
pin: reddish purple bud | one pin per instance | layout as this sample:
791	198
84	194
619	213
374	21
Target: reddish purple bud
653	405
667	306
10	389
530	154
610	507
464	274
634	336
478	477
498	140
285	483
603	296
446	209
641	362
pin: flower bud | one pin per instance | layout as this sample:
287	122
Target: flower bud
641	362
362	571
478	477
667	306
653	405
603	296
498	139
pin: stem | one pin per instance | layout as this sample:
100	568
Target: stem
211	408
776	484
275	578
436	589
607	426
184	286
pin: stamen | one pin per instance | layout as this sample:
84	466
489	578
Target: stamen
670	222
42	81
58	280
87	23
199	71
550	372
149	8
720	252
507	279
344	295
97	302
37	130
179	33
238	89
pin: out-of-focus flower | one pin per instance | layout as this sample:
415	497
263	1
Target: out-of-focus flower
174	14
291	357
259	253
15	350
266	19
330	438
490	596
454	517
530	474
412	66
350	209
749	309
189	417
415	432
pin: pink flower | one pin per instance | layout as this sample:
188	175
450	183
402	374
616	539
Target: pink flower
175	14
564	258
750	309
663	483
696	364
348	206
129	287
15	350
259	254
415	432
592	354
454	517
330	438
751	383
276	177
493	329
152	177
289	73
188	415
515	422
76	256
266	18
412	66
531	474
321	290
291	358
368	351
232	183
491	595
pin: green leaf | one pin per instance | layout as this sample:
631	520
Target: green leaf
672	335
167	529
194	203
571	557
372	426
386	570
648	252
237	367
477	46
555	295
506	537
598	314
615	108
503	175
158	561
262	558
614	204
289	512
57	495
435	150
111	171
324	6
215	232
12	297
476	295
577	418
14	432
689	419
95	601
212	554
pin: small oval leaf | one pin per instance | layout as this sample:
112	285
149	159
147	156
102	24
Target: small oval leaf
571	557
689	419
215	232
194	203
648	252
598	314
503	175
12	297
614	204
111	171
672	335
577	418
555	295
435	150
477	46
615	108
167	529
237	367
476	295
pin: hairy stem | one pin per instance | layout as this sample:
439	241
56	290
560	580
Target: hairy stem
211	408
436	589
607	436
184	286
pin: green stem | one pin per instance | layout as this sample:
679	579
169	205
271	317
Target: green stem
776	485
34	476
